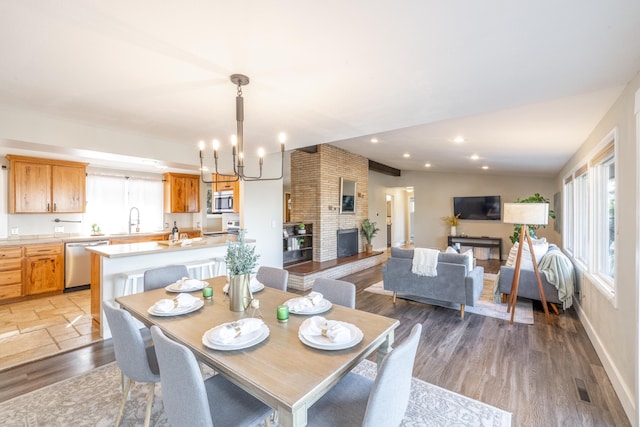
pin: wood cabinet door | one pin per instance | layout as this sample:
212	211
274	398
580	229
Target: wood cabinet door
44	274
181	193
68	188
30	188
192	194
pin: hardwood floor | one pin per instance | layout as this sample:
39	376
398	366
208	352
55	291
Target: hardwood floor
538	372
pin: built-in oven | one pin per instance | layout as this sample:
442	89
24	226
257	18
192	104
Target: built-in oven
77	264
222	201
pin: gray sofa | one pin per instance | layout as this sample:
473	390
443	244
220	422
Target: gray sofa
453	283
528	284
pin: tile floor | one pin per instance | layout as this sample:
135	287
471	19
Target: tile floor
33	329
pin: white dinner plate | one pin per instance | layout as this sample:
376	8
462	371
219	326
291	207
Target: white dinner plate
243	341
321	307
197	305
174	287
324	343
255	288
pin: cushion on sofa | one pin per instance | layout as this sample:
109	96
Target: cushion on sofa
465	258
540	247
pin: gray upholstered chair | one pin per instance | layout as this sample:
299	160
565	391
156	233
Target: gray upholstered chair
273	277
190	401
136	361
336	291
357	400
162	276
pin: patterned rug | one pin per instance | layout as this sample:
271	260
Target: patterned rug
485	305
92	400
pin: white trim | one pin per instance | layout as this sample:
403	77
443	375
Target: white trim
626	396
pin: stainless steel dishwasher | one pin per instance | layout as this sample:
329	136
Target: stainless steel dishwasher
77	263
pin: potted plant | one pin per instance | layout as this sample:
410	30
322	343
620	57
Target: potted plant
517	228
301	228
241	260
452	221
369	230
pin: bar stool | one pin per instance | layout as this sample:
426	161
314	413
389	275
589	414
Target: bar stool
201	269
130	280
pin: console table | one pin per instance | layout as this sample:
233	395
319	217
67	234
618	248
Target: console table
480	242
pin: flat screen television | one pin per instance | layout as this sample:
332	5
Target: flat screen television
484	208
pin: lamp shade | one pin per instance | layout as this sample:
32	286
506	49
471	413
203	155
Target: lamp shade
526	213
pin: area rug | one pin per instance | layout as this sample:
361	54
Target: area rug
92	400
485	305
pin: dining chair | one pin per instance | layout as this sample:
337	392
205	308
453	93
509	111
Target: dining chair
190	401
273	277
136	360
160	277
357	400
337	291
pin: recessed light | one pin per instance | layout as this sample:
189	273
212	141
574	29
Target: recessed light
374	140
406	155
458	139
474	157
409	189
485	167
427	165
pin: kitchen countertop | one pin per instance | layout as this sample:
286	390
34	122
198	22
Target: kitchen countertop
38	239
144	248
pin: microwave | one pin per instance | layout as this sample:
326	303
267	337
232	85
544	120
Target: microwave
222	201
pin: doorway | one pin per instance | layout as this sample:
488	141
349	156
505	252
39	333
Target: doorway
389	222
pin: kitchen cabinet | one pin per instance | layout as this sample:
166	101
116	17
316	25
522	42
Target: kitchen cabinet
181	193
39	185
44	268
224	184
10	272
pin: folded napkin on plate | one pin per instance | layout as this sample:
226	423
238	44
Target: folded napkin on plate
254	284
310	300
230	331
185	284
319	326
180	301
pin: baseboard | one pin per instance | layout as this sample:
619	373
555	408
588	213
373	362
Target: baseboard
625	395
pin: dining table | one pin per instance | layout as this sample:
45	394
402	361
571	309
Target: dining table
284	370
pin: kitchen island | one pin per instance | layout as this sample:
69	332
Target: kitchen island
110	263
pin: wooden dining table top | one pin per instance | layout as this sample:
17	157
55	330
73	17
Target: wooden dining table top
281	371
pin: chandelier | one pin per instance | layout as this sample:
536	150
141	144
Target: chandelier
237	143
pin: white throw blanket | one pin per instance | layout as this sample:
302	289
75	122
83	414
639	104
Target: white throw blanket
425	262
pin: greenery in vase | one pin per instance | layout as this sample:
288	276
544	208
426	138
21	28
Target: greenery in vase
451	220
241	257
369	230
517	228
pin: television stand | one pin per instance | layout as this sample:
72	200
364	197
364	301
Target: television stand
479	242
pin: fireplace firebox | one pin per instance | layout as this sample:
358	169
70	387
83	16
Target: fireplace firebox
347	242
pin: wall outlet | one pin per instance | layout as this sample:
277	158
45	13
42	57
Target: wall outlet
15	231
59	229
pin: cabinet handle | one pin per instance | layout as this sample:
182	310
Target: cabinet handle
55	208
48	207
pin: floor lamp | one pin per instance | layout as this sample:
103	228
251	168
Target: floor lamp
525	214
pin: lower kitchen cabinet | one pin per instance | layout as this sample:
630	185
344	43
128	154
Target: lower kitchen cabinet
44	269
10	272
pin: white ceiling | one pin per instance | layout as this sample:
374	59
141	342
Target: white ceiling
524	82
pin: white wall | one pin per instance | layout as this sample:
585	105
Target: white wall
613	330
261	212
434	192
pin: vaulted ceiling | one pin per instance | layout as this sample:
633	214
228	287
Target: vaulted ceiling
523	82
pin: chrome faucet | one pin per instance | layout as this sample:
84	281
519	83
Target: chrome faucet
137	223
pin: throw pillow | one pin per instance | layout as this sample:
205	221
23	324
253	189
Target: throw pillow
540	247
451	250
469	254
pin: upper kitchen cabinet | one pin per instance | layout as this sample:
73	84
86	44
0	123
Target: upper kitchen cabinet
181	193
222	183
45	186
